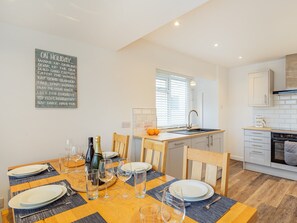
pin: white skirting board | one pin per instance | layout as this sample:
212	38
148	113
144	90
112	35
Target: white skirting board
271	171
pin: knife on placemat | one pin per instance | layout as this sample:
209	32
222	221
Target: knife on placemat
47	209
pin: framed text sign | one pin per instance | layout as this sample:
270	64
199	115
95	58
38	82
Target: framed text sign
55	80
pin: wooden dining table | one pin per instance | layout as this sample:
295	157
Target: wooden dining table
118	209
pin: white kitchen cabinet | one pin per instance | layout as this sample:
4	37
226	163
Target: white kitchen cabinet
261	88
174	162
257	147
211	142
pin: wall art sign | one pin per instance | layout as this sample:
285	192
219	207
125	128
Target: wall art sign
55	80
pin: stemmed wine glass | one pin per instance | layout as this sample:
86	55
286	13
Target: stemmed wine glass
124	174
76	155
106	173
173	207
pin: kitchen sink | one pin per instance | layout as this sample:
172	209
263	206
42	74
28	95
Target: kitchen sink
193	131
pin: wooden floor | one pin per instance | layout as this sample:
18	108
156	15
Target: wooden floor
275	198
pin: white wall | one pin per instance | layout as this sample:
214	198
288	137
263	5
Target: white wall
110	84
239	114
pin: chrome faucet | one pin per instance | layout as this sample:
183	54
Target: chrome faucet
189	126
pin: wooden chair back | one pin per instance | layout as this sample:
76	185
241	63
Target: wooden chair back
154	152
213	160
120	144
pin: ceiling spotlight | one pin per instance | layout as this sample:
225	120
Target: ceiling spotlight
216	45
176	23
240	57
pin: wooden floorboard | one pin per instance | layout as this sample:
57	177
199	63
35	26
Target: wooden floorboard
275	198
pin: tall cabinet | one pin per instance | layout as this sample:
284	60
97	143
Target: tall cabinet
261	88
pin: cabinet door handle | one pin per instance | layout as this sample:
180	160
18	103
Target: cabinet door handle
256	133
256	152
211	143
208	141
179	144
256	139
265	99
256	145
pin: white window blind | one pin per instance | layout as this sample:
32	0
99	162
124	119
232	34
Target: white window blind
172	99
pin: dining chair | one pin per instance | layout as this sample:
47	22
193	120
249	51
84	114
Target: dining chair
212	161
154	152
120	144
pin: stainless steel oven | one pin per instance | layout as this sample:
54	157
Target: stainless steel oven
277	146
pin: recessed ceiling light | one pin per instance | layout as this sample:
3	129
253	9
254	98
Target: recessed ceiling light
240	57
216	45
176	23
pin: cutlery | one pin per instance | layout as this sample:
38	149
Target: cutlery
211	203
72	192
47	209
160	199
50	168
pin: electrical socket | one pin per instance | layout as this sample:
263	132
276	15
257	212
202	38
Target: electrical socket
1	202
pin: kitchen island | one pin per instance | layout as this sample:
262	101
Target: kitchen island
210	140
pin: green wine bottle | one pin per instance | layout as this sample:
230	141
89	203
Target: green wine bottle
97	156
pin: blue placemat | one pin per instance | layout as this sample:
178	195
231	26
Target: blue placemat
93	218
76	200
196	210
150	175
42	175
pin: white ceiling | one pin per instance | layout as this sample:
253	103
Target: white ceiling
110	24
257	30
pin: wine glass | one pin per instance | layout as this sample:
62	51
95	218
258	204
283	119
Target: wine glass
76	155
173	207
124	174
106	173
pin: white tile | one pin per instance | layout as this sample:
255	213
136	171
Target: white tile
291	111
284	97
285	116
284	106
290	102
290	121
293	96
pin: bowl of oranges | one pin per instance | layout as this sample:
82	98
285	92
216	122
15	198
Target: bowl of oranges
153	131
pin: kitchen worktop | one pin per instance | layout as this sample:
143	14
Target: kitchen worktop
168	136
270	130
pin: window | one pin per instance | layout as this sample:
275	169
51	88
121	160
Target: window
173	96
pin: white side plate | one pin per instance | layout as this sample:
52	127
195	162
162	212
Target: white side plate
26	171
15	201
137	165
109	154
189	194
39	195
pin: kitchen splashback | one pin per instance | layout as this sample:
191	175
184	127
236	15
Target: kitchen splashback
143	118
283	115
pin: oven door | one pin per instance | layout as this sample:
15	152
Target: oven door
277	151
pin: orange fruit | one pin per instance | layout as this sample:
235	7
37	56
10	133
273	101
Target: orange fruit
156	131
150	132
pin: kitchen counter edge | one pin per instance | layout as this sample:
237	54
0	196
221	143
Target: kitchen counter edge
270	130
167	136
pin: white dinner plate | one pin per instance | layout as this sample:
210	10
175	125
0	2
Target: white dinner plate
109	154
39	195
137	165
27	170
184	184
15	202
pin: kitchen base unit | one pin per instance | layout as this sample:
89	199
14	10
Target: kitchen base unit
258	153
211	141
